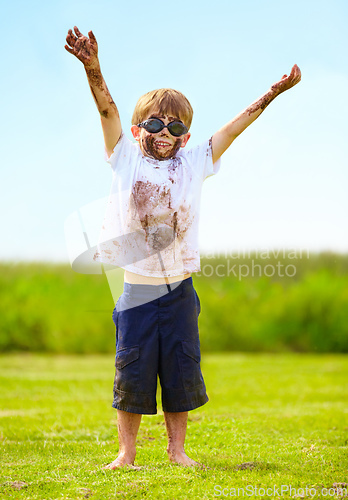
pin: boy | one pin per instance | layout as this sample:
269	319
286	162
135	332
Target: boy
150	230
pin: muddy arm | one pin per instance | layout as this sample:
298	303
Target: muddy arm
85	48
224	137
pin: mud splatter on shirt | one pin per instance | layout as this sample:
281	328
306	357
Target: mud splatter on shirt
151	222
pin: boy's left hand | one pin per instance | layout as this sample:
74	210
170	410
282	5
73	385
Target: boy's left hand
224	137
288	81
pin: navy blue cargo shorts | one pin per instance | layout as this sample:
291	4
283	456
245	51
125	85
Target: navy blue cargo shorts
157	335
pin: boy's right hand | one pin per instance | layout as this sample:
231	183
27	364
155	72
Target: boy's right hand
85	48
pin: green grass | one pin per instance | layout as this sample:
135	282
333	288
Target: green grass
283	415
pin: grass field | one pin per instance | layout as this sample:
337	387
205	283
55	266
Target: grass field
272	420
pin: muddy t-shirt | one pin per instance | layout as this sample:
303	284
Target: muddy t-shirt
151	222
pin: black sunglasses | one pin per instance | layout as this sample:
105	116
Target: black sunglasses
154	125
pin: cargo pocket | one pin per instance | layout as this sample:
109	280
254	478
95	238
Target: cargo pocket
127	369
189	363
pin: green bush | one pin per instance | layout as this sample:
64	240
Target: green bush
47	307
51	308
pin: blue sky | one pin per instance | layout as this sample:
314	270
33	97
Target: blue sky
282	183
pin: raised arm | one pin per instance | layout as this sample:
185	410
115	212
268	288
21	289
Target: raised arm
85	48
224	137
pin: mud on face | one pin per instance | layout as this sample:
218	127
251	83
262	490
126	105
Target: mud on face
149	147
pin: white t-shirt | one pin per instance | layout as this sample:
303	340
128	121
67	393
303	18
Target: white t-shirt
151	222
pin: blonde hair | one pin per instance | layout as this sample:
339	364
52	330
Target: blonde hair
164	102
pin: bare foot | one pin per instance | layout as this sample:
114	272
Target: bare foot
122	460
180	457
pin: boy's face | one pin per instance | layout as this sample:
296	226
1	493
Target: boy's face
161	145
